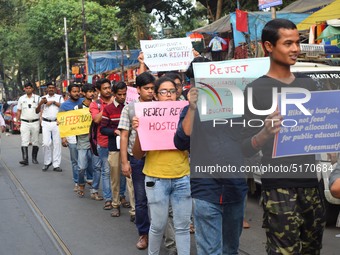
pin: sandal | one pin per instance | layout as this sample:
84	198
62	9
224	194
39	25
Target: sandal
115	212
95	196
108	205
124	203
81	191
192	228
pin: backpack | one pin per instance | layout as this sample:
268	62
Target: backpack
93	133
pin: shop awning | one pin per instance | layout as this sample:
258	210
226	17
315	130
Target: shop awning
306	5
331	11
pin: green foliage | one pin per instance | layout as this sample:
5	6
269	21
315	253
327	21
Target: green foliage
32	33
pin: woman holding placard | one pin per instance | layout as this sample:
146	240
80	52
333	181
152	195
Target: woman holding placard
167	181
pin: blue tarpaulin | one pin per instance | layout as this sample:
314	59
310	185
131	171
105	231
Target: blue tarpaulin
256	22
103	61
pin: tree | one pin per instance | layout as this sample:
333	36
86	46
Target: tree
136	17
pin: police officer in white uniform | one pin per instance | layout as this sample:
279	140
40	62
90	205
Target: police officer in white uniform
49	106
30	124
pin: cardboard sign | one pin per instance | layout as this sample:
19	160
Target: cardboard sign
167	54
220	83
76	122
158	123
131	94
310	134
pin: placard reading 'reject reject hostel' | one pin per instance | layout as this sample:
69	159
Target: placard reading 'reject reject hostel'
167	54
158	123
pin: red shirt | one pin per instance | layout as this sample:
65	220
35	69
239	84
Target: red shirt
96	108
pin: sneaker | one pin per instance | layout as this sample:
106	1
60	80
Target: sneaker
75	189
142	243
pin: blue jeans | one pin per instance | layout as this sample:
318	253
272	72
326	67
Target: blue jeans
142	215
122	185
103	155
218	227
160	193
97	165
85	164
74	161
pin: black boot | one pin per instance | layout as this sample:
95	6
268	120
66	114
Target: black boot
35	154
24	151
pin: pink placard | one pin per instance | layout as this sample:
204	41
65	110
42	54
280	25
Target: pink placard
158	123
131	95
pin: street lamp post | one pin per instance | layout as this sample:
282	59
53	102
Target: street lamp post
66	55
115	38
121	46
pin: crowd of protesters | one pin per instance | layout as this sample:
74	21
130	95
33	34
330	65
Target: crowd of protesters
158	182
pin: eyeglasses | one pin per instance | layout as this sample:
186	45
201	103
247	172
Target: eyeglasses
165	92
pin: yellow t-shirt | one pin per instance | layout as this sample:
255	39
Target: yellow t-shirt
166	164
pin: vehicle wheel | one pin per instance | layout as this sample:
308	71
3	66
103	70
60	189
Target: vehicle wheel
11	128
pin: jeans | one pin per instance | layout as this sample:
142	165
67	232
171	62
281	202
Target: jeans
103	155
160	192
218	227
142	215
122	185
97	165
74	161
85	164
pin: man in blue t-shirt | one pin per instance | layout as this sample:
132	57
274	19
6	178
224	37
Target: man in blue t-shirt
71	142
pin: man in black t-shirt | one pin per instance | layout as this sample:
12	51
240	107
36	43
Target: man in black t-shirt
293	209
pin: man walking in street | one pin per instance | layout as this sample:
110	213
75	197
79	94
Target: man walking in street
88	163
49	106
103	86
293	208
132	167
109	127
71	142
28	114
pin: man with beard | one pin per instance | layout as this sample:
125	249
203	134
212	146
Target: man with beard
71	142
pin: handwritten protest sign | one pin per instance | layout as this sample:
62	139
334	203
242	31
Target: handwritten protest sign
76	122
221	85
131	94
167	54
158	123
310	134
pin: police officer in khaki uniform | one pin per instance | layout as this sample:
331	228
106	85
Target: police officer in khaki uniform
28	114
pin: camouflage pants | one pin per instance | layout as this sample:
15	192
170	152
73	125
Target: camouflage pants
294	220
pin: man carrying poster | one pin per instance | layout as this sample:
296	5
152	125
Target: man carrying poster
292	203
71	142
